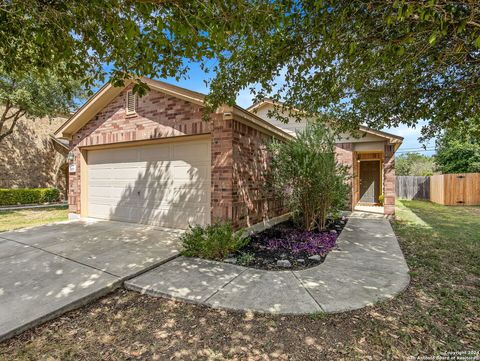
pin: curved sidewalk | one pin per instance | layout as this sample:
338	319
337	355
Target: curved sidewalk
367	266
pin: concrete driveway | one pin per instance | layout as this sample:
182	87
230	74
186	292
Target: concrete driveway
48	270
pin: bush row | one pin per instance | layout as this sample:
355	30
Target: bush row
28	196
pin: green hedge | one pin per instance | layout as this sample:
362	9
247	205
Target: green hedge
28	196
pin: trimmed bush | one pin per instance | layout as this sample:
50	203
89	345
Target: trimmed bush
214	241
10	197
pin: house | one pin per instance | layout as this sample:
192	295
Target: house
369	153
153	160
31	158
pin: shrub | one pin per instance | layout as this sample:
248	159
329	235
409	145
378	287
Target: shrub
214	241
246	259
28	196
305	172
381	199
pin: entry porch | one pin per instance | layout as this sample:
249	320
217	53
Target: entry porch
373	183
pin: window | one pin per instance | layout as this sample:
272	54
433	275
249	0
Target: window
131	102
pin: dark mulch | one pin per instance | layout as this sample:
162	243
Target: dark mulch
285	241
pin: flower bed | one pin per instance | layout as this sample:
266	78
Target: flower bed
286	247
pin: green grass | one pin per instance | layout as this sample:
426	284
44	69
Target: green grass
439	312
21	218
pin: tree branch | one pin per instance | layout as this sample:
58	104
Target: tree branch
4	115
17	116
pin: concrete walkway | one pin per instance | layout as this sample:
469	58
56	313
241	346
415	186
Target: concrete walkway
48	270
367	267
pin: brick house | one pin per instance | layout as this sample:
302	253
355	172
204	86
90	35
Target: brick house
369	153
153	160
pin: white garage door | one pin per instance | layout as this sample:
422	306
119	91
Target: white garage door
165	184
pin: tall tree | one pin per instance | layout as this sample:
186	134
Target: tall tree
382	62
458	150
35	96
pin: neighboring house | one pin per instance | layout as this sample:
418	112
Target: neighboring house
369	153
31	158
153	160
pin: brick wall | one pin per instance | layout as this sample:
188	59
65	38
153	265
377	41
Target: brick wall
29	158
222	168
252	203
158	116
344	152
389	180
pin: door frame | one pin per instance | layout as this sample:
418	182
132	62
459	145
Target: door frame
380	168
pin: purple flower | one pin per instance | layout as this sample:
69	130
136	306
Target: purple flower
298	241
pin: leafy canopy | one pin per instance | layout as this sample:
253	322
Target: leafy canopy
382	62
33	96
414	164
306	174
458	150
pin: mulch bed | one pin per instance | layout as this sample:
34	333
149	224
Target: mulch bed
293	247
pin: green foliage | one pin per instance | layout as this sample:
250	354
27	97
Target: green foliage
458	157
214	241
414	164
28	196
246	258
382	63
34	96
318	316
458	150
381	199
305	173
395	61
135	38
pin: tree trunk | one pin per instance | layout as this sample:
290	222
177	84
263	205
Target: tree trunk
14	117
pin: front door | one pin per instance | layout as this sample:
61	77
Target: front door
369	181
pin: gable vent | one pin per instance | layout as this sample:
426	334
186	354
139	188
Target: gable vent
131	102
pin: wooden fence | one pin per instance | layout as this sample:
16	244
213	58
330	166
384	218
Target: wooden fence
412	187
455	189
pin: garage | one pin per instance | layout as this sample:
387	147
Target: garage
165	184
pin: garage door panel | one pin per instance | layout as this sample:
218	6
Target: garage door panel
155	153
194	151
109	156
165	185
189	195
186	172
166	197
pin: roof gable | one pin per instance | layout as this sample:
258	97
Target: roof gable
108	92
267	104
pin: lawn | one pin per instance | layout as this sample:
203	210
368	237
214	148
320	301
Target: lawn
31	217
439	312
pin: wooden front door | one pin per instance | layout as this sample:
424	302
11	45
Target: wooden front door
369	181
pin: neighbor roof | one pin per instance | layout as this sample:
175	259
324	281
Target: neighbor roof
393	138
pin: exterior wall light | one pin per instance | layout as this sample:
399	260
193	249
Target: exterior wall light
70	157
